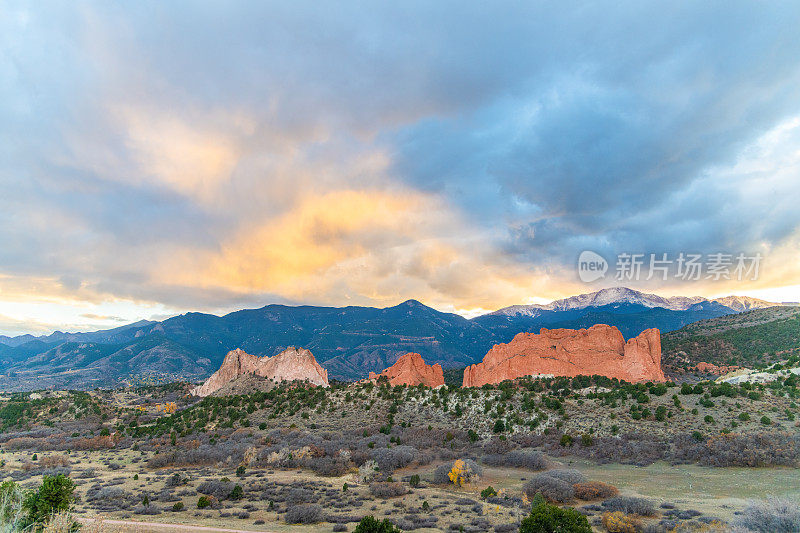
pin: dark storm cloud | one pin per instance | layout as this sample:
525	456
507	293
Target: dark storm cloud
604	138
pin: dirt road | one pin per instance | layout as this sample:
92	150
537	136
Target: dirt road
158	527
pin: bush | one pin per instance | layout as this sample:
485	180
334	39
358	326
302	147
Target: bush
460	471
236	493
774	515
488	492
330	466
306	513
552	489
218	489
546	518
11	498
300	495
464	471
766	420
390	459
203	502
54	495
387	489
630	505
594	490
178	506
530	460
414	480
569	475
441	474
175	480
618	522
369	524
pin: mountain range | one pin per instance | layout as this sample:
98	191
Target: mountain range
349	341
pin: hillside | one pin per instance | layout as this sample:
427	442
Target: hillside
349	341
750	339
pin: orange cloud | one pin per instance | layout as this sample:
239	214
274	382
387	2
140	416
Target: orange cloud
361	247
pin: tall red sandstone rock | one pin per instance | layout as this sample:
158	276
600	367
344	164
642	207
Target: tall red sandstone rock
411	370
601	350
292	364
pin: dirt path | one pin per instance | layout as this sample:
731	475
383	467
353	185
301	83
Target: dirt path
148	527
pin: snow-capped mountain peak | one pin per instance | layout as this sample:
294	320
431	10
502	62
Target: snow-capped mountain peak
624	295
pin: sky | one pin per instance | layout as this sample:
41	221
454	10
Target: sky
159	157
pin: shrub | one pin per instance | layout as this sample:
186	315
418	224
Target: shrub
11	498
630	505
306	513
177	506
774	515
52	461
218	489
552	489
54	495
203	502
464	471
618	522
528	459
175	480
330	466
488	492
594	490
569	475
414	480
369	524
546	518
300	495
440	475
387	489
766	420
236	493
390	459
566	440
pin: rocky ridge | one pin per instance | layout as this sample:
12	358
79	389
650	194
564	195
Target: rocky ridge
410	369
600	349
292	364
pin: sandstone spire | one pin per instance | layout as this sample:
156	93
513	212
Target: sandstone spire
411	370
292	364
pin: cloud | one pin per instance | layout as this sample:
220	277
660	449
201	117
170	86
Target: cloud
209	157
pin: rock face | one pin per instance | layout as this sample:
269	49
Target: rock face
601	350
411	370
292	364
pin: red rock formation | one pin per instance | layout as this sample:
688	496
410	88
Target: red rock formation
292	364
411	370
601	350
